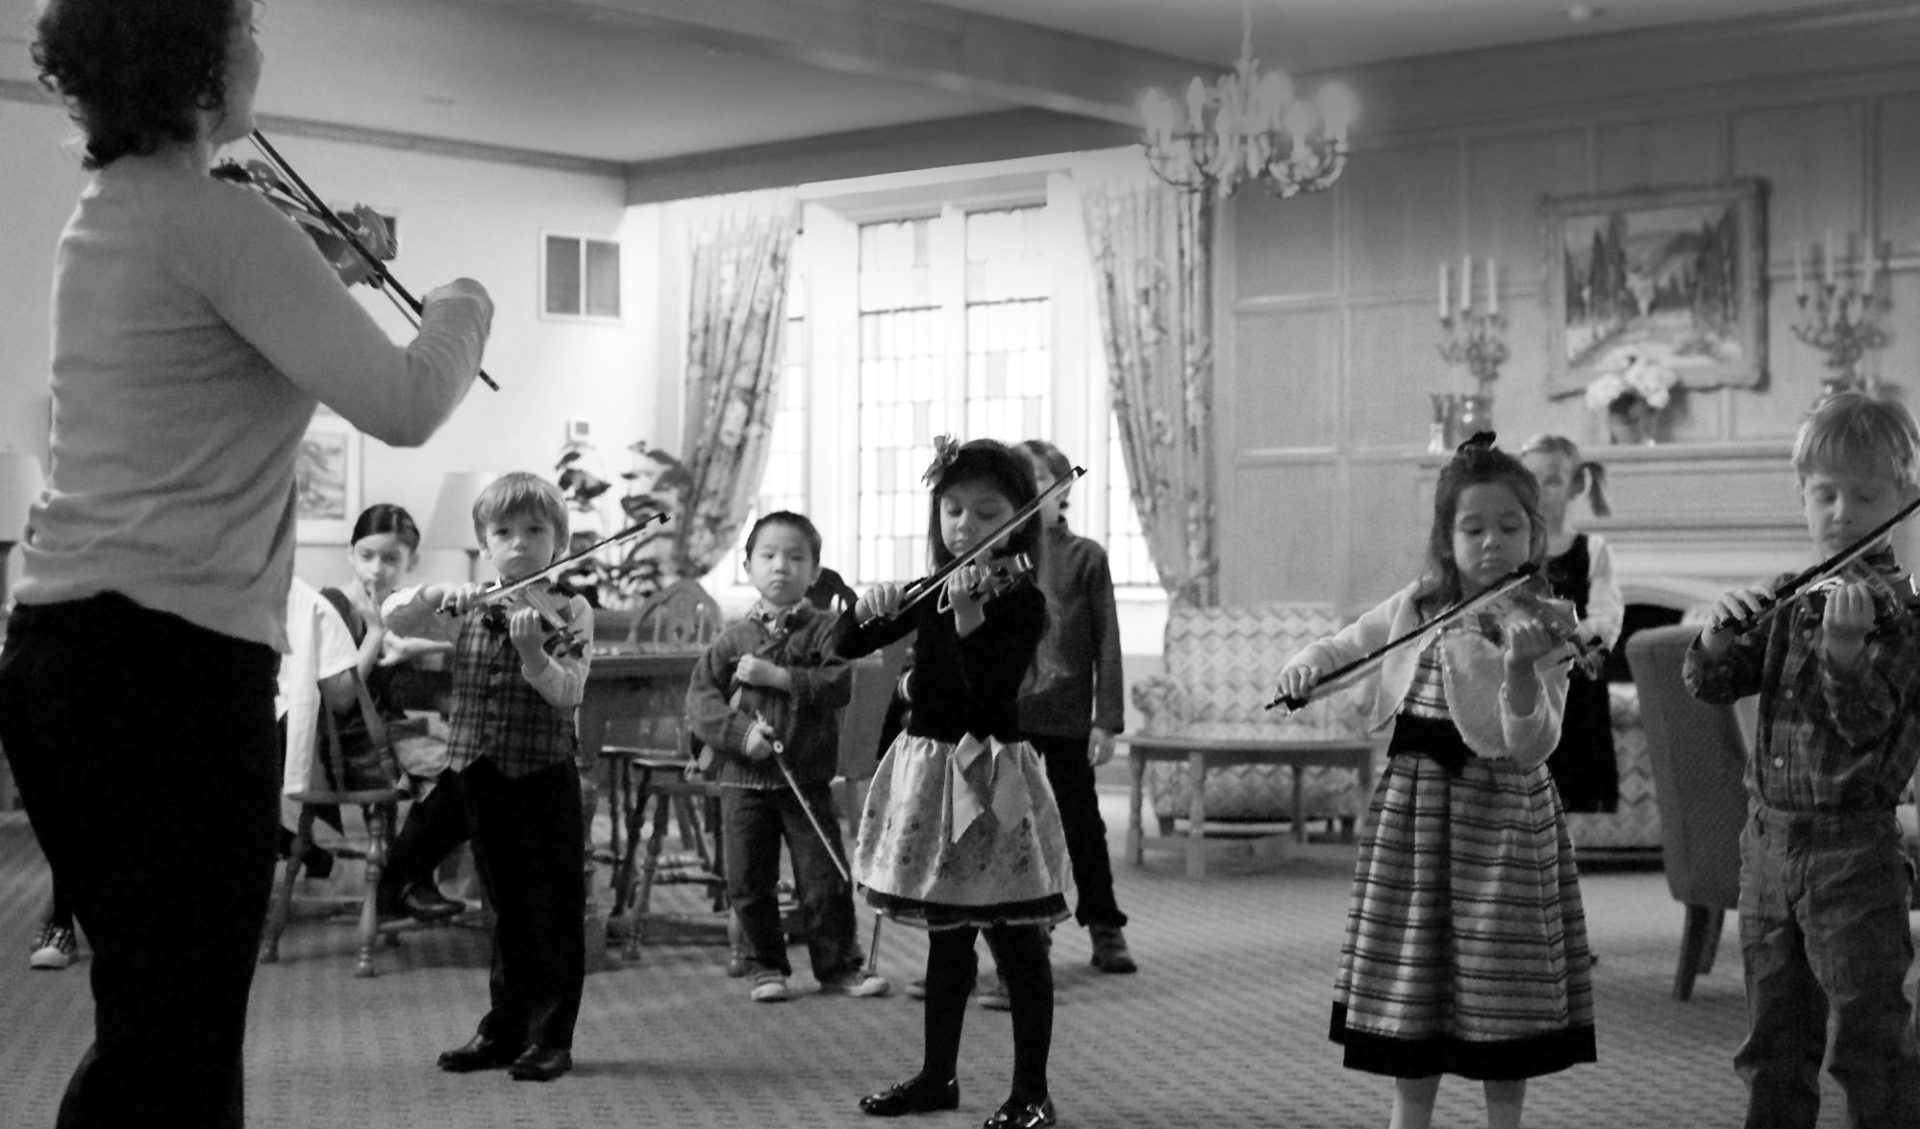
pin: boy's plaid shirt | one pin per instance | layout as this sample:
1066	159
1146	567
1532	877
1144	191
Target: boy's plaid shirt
1831	740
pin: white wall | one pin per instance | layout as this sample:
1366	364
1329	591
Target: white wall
457	216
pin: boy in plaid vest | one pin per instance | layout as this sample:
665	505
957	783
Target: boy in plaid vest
518	676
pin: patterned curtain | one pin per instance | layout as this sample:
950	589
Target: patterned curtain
737	317
1152	253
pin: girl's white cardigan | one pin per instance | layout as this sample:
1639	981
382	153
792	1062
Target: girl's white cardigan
1473	671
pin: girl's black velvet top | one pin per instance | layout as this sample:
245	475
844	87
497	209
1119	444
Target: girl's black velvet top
961	686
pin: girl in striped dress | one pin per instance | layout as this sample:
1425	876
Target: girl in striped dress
1466	948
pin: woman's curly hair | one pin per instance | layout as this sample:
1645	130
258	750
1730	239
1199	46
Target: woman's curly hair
134	72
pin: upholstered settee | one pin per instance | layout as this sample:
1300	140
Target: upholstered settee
1222	665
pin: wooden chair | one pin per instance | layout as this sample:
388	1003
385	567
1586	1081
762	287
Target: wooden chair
682	616
1699	755
378	806
657	770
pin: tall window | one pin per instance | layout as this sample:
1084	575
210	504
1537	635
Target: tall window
955	337
904	398
1009	334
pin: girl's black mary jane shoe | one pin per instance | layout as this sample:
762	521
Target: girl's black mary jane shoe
1018	1114
912	1096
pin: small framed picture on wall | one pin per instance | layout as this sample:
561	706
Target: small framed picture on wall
326	480
1675	276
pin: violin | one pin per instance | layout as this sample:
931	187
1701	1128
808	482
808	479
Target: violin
293	195
529	591
365	223
995	580
1533	600
936	580
1797	586
1486	598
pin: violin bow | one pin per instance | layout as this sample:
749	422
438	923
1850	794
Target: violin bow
388	282
499	591
1486	595
1790	588
931	583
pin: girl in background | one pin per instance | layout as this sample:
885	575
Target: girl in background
1466	946
383	552
960	833
1580	569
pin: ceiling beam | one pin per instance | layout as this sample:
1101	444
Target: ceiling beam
910	41
868	152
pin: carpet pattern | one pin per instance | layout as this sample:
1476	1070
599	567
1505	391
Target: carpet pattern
1224	1026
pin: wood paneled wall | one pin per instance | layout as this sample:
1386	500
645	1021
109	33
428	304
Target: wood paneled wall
1328	331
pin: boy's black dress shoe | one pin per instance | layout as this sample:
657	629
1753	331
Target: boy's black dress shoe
427	903
480	1053
1018	1114
912	1096
541	1064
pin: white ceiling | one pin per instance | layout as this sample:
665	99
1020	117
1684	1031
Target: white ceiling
651	80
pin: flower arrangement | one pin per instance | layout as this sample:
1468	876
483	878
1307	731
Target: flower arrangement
1633	397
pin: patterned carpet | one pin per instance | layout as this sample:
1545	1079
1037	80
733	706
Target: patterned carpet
1224	1026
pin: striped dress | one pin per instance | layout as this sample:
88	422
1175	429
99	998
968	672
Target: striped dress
1466	947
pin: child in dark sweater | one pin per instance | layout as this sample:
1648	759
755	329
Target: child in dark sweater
770	687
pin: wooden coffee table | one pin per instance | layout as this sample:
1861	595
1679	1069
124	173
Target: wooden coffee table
1202	754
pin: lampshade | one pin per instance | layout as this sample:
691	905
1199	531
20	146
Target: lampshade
451	526
20	485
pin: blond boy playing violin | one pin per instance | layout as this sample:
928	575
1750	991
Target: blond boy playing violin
1824	880
518	676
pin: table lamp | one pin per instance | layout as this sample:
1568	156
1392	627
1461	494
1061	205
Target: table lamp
451	526
20	486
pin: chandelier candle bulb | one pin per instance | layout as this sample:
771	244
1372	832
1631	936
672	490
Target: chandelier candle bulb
1826	259
1493	286
1799	276
1445	309
1466	283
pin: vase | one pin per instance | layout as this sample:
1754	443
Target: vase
1632	423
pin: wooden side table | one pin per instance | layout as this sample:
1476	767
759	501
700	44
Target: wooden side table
1202	754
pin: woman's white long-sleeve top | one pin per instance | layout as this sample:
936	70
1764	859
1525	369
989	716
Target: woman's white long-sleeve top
1473	671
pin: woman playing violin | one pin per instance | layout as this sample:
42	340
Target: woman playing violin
193	331
1466	949
960	833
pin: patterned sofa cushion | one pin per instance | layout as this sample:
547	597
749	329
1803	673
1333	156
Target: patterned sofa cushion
1221	668
1635	824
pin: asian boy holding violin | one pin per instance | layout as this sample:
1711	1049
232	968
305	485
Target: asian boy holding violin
1824	882
519	672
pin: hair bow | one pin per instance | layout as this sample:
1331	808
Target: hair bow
945	450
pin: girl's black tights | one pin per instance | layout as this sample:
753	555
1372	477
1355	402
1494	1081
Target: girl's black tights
1025	967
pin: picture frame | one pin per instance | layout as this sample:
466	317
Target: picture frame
327	480
1673	275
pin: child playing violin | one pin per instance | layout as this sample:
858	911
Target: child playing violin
1824	881
1486	978
960	833
1580	568
770	686
518	677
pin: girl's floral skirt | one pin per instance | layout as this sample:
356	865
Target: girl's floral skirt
965	834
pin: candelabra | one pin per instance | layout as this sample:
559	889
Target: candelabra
1843	324
1478	341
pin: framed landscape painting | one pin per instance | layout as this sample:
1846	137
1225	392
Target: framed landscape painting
326	480
1673	275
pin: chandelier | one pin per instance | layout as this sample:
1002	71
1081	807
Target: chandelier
1248	126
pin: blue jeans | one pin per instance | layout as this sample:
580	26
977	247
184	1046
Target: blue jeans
1826	940
754	822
